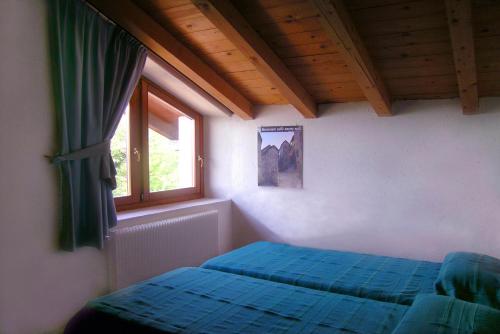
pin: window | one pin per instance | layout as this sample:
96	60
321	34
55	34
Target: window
157	149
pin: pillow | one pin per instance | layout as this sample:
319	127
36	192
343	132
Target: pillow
471	277
447	315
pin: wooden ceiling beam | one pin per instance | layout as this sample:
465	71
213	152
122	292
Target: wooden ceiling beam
338	24
459	13
226	18
133	19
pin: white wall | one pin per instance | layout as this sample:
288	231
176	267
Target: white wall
419	184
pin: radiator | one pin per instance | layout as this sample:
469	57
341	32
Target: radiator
143	251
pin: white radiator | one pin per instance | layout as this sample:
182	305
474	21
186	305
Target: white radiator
143	251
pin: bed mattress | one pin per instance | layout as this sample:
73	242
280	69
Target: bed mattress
196	300
382	278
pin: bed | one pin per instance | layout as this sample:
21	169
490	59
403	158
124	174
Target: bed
381	278
202	300
196	300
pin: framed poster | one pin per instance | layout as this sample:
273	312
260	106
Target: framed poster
280	155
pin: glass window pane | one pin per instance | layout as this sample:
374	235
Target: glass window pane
171	147
120	152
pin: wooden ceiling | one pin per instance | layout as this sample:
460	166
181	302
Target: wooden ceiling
305	52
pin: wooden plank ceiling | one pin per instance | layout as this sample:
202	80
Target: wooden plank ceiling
407	42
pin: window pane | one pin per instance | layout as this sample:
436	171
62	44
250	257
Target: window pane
120	153
171	147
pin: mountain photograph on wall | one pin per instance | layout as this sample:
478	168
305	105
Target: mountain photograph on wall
280	156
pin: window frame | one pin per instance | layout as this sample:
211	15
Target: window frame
140	196
134	165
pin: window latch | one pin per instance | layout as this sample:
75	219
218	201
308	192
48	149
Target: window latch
137	154
201	160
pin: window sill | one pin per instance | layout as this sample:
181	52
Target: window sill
146	215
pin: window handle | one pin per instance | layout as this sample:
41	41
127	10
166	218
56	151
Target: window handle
137	154
201	160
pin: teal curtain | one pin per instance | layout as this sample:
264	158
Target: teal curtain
95	68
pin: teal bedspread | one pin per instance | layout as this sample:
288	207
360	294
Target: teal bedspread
447	315
196	300
381	278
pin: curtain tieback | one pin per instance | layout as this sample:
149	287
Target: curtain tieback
96	150
103	150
